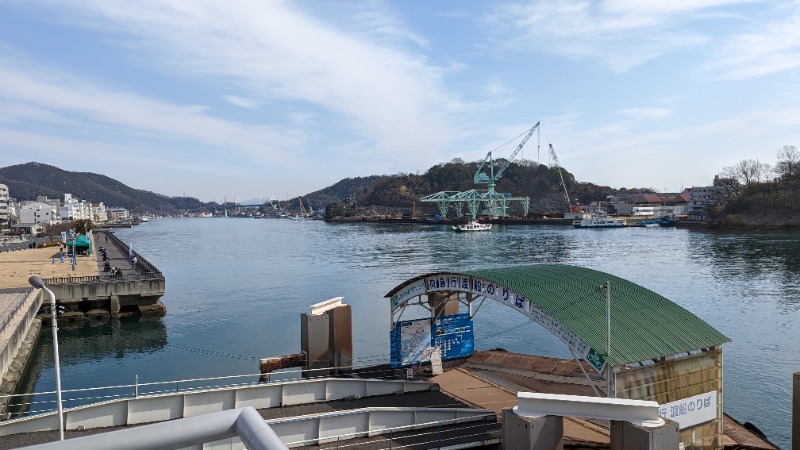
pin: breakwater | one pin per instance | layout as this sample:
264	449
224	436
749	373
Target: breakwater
136	288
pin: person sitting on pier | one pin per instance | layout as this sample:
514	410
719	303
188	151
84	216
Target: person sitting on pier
106	267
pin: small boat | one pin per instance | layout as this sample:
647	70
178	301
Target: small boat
599	220
472	226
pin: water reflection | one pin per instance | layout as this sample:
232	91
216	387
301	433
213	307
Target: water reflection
83	345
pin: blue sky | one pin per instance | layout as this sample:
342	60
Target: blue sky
257	98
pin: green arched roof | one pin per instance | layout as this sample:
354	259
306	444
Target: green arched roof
644	324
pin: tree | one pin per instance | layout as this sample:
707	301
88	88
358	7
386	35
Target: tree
747	172
82	226
788	165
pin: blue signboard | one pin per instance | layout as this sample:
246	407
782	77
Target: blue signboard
454	335
411	339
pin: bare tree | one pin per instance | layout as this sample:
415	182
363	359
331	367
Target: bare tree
788	165
749	171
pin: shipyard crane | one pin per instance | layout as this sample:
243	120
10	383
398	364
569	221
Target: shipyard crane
563	184
303	211
491	178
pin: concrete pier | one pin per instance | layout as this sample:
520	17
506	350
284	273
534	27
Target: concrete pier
134	289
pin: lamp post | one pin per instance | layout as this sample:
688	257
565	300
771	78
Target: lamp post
37	282
74	256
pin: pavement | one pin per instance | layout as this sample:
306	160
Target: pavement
16	266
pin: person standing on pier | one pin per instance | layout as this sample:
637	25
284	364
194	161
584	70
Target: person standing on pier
135	261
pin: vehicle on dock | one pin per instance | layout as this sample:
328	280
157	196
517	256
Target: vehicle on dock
472	225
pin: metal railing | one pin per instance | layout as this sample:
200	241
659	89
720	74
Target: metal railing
86	396
12	311
103	278
21	405
142	263
444	433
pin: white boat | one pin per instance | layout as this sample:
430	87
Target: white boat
599	220
472	226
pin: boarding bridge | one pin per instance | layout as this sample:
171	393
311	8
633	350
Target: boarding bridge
311	429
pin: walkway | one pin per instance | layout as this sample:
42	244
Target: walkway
117	255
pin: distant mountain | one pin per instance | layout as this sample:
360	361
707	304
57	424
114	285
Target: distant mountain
27	181
382	193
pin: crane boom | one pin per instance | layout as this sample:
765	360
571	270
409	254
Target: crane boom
482	178
563	184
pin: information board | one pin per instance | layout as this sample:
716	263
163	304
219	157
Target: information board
411	340
454	335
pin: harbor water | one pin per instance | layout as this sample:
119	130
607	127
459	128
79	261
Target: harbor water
236	289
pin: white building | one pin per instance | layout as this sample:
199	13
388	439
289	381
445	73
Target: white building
74	209
3	205
98	212
35	213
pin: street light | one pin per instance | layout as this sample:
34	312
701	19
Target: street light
37	282
74	257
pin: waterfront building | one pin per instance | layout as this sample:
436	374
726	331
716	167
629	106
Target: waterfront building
98	212
74	209
115	213
3	205
666	204
38	213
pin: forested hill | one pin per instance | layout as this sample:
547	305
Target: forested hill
524	178
393	192
29	180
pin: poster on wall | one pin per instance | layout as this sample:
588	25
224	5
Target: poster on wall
411	340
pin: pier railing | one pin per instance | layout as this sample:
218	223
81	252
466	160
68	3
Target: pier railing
144	266
103	278
16	304
146	270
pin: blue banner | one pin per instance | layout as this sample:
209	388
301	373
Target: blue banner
454	335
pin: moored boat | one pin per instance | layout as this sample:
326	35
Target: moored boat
472	226
599	220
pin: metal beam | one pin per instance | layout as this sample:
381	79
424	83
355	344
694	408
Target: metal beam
639	412
246	423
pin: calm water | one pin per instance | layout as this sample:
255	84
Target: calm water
236	289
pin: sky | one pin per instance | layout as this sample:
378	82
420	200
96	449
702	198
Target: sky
258	98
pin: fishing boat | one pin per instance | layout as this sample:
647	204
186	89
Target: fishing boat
472	226
599	220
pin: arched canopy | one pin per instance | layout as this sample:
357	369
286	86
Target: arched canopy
570	302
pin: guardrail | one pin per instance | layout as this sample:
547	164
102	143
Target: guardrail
168	406
143	264
46	402
16	305
478	429
103	278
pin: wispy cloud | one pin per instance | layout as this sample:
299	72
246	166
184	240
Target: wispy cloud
241	102
273	51
617	34
772	46
59	98
647	113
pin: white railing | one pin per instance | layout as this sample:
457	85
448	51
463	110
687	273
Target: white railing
19	406
188	403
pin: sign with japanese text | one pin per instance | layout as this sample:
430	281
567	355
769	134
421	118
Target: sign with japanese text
477	286
691	411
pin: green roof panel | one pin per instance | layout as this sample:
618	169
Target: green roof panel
644	324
